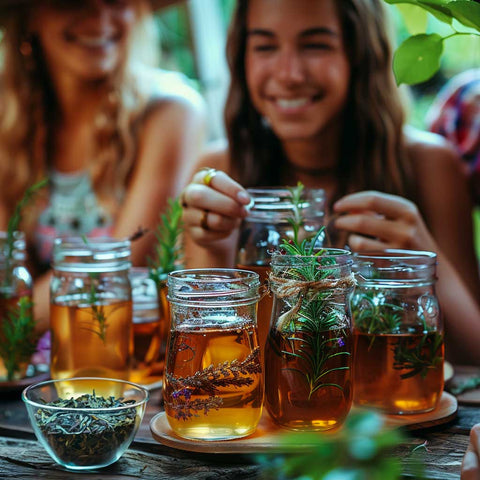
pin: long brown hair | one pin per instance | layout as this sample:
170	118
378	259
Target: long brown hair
28	111
373	154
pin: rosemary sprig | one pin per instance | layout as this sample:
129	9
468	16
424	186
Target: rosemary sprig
418	358
98	310
18	339
373	314
314	313
208	381
169	250
14	224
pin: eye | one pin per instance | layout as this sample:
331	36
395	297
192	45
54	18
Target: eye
263	48
316	46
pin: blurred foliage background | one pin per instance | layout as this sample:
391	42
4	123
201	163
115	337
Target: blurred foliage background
461	53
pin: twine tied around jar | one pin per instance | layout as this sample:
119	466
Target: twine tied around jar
283	287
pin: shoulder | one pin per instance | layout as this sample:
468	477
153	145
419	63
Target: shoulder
172	109
167	88
428	150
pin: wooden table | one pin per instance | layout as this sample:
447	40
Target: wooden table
22	457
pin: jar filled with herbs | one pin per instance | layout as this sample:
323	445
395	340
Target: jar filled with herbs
398	332
213	374
268	222
91	309
308	355
17	333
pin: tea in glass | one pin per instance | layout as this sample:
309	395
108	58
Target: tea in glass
213	381
399	349
149	333
261	232
91	309
308	355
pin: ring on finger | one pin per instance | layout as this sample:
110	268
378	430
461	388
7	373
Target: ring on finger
204	221
210	173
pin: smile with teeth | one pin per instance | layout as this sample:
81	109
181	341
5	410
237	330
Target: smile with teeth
292	102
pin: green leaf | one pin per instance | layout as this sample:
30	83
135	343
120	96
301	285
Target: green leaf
438	8
466	12
417	58
415	18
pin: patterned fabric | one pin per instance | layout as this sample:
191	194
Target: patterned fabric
73	209
456	115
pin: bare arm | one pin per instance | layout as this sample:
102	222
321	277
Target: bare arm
376	220
169	145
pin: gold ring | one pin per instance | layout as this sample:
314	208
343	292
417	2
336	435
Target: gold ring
204	221
207	179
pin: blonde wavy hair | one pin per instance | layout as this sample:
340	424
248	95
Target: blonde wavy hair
28	104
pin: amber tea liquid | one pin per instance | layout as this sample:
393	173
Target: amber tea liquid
288	396
378	384
78	349
232	410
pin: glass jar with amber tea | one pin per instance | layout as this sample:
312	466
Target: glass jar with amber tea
91	308
398	332
149	327
263	229
308	354
213	375
17	335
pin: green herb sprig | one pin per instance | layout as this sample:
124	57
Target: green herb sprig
18	339
15	220
306	322
169	249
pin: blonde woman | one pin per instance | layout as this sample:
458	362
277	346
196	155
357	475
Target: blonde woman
114	136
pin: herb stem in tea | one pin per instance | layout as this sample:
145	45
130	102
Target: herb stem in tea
209	381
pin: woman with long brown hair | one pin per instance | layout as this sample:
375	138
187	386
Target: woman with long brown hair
313	99
114	136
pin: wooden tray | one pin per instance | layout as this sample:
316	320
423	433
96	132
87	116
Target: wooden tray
265	438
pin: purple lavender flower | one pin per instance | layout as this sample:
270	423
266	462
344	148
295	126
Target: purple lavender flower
340	342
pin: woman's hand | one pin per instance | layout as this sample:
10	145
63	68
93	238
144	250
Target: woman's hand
376	221
471	462
213	206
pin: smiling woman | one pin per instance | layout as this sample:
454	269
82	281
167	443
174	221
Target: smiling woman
313	99
114	136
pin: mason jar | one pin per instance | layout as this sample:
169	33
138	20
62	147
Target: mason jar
149	327
264	228
91	308
308	354
213	374
398	332
17	332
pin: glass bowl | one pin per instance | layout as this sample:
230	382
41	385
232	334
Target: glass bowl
85	423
